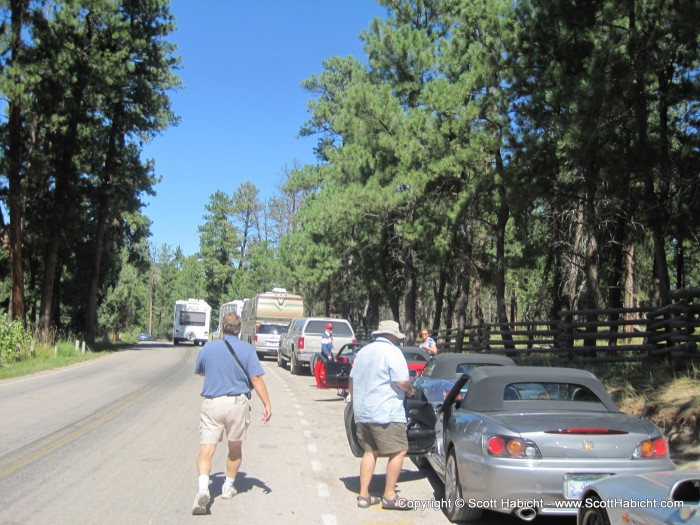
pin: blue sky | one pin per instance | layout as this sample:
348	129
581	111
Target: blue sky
242	106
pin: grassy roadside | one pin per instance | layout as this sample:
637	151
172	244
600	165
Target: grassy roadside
50	357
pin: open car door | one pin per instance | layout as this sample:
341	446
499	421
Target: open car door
330	373
420	428
337	373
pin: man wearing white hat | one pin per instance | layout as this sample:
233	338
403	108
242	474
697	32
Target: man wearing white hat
379	381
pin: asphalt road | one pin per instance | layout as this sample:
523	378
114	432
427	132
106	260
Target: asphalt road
114	441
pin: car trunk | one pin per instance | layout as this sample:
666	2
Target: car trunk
580	434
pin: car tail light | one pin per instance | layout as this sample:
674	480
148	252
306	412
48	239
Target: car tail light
509	447
496	446
651	449
458	397
300	343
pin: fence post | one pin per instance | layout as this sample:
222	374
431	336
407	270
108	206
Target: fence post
564	337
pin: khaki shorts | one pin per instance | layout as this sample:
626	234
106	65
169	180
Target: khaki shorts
387	438
223	414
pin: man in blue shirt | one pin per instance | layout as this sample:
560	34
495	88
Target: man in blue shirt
379	381
226	408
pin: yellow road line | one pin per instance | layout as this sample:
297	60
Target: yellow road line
44	446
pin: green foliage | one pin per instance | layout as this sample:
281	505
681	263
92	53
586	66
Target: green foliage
124	304
486	153
14	340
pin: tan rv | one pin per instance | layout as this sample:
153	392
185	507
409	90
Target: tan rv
266	317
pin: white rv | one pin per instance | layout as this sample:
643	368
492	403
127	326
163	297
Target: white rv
191	321
232	306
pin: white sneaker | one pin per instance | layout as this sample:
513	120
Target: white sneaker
228	491
201	500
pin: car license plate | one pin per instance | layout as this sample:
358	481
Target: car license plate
575	483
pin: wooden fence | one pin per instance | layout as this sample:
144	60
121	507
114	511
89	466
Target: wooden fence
584	335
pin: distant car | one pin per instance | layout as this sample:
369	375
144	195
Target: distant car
663	498
303	340
266	340
335	373
531	439
144	336
417	359
443	370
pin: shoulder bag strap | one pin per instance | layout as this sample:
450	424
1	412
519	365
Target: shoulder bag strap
230	349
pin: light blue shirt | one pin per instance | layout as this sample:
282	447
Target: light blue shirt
222	374
375	396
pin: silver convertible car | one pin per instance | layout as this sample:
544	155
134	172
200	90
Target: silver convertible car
528	440
443	370
663	498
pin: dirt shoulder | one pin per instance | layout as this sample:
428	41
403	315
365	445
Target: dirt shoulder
674	407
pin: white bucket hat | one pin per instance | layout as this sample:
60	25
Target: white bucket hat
389	328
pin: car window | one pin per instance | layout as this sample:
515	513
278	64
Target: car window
340	329
549	391
428	370
465	368
411	356
272	329
296	327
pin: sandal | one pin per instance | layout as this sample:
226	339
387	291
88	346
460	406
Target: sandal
395	503
365	501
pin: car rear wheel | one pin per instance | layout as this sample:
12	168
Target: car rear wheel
592	514
456	508
294	367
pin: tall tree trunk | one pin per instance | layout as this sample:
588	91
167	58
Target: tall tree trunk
575	256
16	202
47	289
644	160
91	312
592	250
411	283
629	301
463	298
103	214
502	216
439	299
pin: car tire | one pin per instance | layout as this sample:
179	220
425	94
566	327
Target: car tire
280	360
351	431
294	367
455	507
592	515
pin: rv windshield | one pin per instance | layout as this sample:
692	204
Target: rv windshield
193	318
